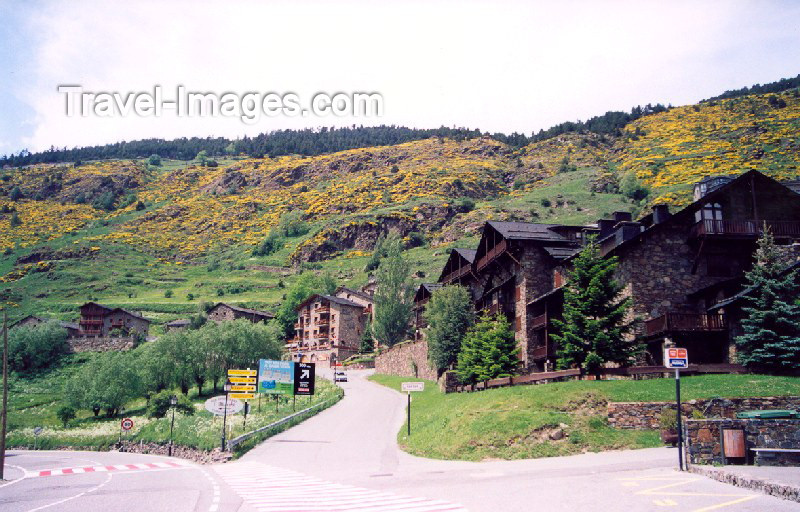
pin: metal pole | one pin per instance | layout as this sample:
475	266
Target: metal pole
171	426
678	417
409	412
224	420
5	396
294	402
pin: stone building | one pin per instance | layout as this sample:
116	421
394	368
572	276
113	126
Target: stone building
675	267
177	325
102	321
222	312
72	329
329	328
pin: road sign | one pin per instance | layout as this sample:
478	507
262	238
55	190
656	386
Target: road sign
37	430
676	358
126	424
216	405
245	388
275	377
413	386
242	373
242	380
241	396
304	378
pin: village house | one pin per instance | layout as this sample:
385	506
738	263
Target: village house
222	312
72	329
677	268
102	321
329	328
177	325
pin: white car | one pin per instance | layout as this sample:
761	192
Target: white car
339	376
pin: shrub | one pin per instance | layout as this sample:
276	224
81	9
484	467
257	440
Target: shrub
415	239
168	294
465	204
270	245
546	202
154	160
189	296
34	347
16	194
159	404
65	414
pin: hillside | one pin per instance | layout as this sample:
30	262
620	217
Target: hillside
162	238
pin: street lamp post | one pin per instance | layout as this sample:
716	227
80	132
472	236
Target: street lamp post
227	388
173	401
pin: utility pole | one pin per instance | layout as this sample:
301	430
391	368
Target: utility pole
5	397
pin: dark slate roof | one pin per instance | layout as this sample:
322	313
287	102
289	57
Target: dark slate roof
552	292
432	286
246	311
561	253
339	300
467	254
132	313
69	325
526	231
353	292
179	323
747	291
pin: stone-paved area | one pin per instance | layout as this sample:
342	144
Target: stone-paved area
782	482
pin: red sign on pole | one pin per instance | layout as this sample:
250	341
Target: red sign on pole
126	424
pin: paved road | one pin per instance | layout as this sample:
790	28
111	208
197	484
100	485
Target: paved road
346	458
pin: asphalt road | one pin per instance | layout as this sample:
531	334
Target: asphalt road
346	458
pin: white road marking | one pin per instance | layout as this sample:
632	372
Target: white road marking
23	477
272	489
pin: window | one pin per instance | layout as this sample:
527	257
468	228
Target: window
710	211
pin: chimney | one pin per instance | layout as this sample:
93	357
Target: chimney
606	227
622	217
627	230
660	213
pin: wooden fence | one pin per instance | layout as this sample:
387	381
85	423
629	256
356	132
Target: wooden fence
633	372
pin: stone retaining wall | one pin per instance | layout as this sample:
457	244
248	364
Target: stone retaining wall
783	491
100	344
703	445
215	456
367	365
645	415
407	359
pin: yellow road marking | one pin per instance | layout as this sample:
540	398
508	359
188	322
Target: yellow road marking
727	503
654	490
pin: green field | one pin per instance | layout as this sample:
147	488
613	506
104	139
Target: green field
33	402
516	422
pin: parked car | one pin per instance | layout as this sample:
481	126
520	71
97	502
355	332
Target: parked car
339	376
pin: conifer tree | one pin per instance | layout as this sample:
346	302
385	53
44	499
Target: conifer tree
593	328
771	339
449	314
488	351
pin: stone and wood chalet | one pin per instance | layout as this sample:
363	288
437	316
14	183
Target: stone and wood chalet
73	330
100	321
177	325
329	328
222	312
677	268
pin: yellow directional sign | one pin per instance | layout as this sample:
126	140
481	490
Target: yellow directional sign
242	373
248	389
242	396
242	380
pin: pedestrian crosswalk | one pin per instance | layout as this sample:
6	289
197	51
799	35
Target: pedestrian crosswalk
271	489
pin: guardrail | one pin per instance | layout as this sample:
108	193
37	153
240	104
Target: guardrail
244	437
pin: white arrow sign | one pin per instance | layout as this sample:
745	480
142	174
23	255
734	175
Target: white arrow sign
305	374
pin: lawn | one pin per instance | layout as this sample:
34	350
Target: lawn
518	422
34	401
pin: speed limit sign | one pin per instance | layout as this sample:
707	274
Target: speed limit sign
127	424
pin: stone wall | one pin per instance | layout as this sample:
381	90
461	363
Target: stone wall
100	344
645	415
401	359
703	444
214	456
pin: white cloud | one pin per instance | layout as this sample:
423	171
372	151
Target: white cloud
498	66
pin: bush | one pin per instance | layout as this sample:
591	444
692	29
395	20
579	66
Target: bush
154	160
546	202
65	414
16	194
272	244
415	239
168	294
159	404
632	188
189	296
465	204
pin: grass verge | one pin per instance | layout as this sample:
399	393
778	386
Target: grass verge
522	422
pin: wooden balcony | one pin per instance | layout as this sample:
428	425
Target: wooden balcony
323	322
457	274
323	309
539	322
542	353
745	228
685	322
492	255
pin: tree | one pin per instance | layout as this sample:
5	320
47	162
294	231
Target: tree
632	188
15	221
394	295
367	345
154	160
160	405
65	414
34	347
108	382
449	314
15	194
771	338
202	157
594	327
488	351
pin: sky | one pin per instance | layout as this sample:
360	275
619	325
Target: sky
494	65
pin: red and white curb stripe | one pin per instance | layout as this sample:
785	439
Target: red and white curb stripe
104	469
271	489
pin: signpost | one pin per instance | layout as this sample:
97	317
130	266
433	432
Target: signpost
275	377
216	406
677	358
304	379
36	432
126	424
408	387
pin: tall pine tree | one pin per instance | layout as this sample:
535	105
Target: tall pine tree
488	351
593	330
771	339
